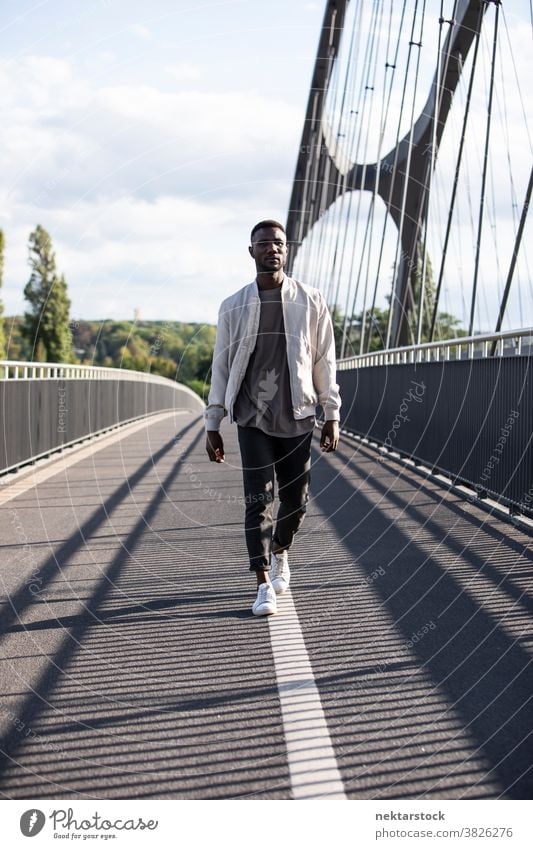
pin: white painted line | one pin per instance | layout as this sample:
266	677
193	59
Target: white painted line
312	764
17	487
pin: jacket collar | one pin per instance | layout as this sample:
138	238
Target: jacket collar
286	286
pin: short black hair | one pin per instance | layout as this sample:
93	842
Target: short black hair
268	222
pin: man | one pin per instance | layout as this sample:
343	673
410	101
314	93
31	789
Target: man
274	360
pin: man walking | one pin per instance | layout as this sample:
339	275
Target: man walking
274	361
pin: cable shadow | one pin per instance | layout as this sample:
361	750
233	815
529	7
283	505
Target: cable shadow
133	614
165	682
454	502
29	711
483	672
23	598
482	526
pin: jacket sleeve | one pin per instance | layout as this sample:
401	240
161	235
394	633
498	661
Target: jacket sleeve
215	410
324	366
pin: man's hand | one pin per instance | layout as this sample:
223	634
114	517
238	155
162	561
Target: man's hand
329	438
214	446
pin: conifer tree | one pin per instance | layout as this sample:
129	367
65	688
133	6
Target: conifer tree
46	325
2	333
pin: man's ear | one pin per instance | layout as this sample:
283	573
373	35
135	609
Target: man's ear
251	251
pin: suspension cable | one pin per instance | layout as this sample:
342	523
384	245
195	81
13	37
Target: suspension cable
336	111
484	175
429	171
398	242
400	258
457	172
512	186
355	139
367	242
514	256
392	66
376	181
349	315
344	214
369	86
340	188
312	186
518	88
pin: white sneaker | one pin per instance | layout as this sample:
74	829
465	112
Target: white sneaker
280	572
265	602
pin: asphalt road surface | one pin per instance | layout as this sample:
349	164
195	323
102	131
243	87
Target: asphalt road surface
399	666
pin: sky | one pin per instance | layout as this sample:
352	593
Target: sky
148	138
356	129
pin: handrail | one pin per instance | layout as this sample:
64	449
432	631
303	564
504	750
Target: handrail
442	350
20	370
49	406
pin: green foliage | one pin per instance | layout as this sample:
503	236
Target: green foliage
2	332
337	318
16	346
375	336
447	326
376	329
376	321
178	351
201	388
46	325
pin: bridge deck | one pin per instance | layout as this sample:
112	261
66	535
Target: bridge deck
133	668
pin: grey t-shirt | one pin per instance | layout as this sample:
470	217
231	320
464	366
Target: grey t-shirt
264	399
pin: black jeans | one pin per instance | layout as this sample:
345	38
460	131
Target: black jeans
290	459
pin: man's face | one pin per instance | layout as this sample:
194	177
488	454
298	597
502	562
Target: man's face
269	249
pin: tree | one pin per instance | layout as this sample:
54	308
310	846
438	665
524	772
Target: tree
375	332
2	334
173	349
337	320
46	325
449	327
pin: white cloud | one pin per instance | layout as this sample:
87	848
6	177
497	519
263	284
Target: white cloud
172	257
138	187
184	72
69	141
40	85
140	31
148	182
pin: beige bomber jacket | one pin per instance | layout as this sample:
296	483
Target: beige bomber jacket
310	351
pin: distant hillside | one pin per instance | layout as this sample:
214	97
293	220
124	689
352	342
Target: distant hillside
171	348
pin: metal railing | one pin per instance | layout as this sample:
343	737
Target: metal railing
461	348
45	407
20	370
463	407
